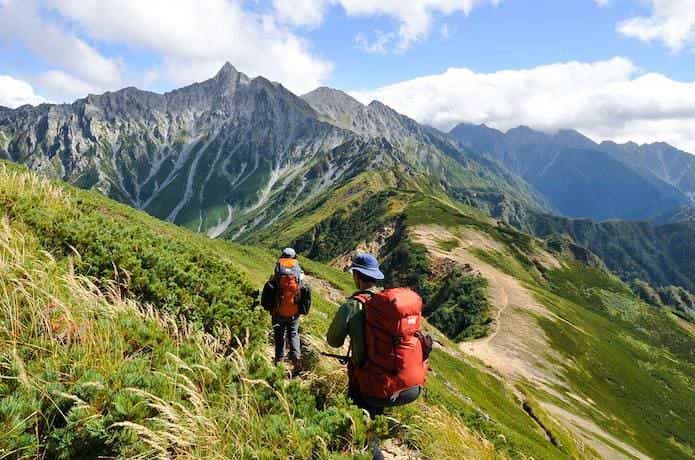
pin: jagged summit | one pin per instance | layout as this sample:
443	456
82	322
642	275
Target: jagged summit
333	103
226	70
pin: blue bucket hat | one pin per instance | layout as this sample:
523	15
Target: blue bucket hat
367	265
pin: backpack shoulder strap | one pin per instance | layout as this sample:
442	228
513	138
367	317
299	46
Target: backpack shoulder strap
362	296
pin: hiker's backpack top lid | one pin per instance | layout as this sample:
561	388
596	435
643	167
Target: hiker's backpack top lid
397	311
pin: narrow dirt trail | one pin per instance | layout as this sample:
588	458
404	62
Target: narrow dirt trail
517	346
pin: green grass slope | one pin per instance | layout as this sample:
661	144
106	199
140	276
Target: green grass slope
635	362
123	336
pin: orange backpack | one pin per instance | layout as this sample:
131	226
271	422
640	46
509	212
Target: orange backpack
396	358
287	294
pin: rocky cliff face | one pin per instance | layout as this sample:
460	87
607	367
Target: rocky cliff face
231	153
194	156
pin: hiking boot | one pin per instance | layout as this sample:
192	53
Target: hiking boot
374	448
296	363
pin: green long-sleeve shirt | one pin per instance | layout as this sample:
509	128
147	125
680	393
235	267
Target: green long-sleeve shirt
349	321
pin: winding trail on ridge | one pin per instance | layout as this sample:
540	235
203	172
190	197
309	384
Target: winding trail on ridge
517	348
520	351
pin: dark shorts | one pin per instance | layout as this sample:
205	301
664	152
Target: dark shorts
376	406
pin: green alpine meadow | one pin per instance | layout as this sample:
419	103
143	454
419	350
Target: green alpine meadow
140	232
125	336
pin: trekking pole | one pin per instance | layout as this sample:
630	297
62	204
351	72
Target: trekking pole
341	359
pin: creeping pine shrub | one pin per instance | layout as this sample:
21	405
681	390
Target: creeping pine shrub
409	265
153	262
88	373
457	304
460	308
341	232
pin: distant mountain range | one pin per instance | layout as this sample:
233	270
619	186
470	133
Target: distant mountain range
581	178
239	157
233	153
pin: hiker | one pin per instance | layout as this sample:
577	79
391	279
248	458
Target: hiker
286	296
387	354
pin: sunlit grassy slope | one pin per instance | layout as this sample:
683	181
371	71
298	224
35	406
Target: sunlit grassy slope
635	363
97	362
125	336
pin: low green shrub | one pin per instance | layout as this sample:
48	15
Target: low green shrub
152	262
460	308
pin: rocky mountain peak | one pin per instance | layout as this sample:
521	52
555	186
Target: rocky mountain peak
228	78
333	103
573	138
226	70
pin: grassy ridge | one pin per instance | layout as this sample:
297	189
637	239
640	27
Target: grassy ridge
101	372
632	360
87	370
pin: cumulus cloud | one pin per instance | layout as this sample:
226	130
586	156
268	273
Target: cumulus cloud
672	22
15	93
415	17
609	99
23	21
191	40
64	86
194	39
300	12
377	46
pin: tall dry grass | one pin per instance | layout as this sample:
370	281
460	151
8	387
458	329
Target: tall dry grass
204	407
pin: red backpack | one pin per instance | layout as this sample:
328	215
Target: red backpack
288	288
395	356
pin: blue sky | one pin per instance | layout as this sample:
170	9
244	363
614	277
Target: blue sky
615	69
516	34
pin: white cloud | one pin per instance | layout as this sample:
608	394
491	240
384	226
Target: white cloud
377	46
64	86
194	39
605	100
300	12
414	17
15	93
22	20
671	22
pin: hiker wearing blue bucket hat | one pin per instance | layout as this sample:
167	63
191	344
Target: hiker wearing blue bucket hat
387	356
349	319
367	266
